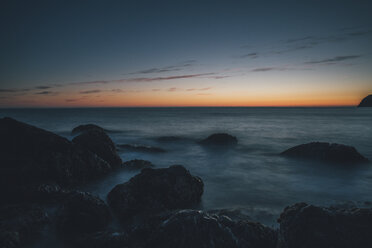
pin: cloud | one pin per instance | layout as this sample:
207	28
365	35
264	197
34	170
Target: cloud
46	93
155	89
249	55
172	89
263	69
42	87
89	91
143	79
333	60
170	68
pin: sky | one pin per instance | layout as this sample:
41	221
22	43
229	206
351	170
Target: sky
139	53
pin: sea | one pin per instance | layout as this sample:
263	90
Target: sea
251	178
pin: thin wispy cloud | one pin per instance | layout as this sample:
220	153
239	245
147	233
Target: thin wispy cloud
333	60
170	68
143	79
264	69
46	93
90	91
43	87
249	55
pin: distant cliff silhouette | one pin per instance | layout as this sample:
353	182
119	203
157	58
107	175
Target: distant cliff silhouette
366	102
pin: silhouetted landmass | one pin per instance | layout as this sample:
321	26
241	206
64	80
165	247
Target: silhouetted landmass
303	225
137	164
141	148
333	153
219	139
366	102
98	142
156	190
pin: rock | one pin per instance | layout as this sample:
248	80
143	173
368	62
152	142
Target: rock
156	190
192	228
185	229
82	213
21	225
220	139
107	239
99	142
303	225
142	148
33	156
334	153
87	127
366	102
137	164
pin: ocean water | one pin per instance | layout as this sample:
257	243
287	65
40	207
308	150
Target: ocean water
250	177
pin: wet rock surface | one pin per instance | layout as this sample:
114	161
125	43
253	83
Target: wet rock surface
156	190
81	213
87	127
98	142
219	139
327	152
304	225
141	148
190	228
137	164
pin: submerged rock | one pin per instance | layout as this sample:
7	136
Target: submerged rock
189	228
87	127
220	139
156	190
366	102
334	153
303	225
99	142
141	148
82	213
21	225
137	164
33	156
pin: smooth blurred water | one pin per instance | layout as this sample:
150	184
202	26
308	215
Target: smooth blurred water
251	176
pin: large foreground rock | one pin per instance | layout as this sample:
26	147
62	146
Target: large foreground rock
185	229
32	156
86	127
307	226
99	142
219	139
156	190
334	153
82	213
366	102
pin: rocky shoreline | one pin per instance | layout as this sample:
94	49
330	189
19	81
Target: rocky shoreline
156	208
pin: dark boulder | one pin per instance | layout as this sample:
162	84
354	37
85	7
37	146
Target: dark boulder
21	225
33	156
304	226
219	139
334	153
156	190
189	228
366	102
82	213
137	164
99	142
86	127
141	148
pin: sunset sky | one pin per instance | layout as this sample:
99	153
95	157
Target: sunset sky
184	53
